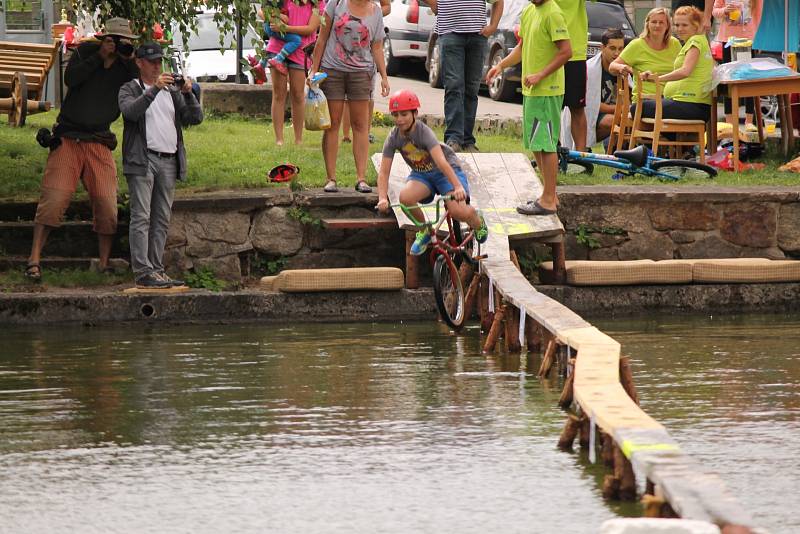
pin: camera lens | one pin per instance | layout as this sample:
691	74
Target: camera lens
125	49
179	80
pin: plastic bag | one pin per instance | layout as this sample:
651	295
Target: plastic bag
317	115
753	69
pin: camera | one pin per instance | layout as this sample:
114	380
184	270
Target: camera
177	77
47	140
123	49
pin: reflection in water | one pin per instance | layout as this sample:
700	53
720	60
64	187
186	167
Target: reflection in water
361	428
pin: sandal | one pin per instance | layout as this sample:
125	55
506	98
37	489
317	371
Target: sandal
330	187
363	187
346	140
33	272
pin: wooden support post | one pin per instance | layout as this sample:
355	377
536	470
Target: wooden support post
532	338
513	345
584	431
559	263
652	505
472	296
626	378
487	317
623	471
566	394
547	359
607	449
412	262
465	272
494	331
569	432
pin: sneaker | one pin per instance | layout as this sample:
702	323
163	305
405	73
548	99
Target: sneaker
482	233
171	281
152	281
455	146
420	243
471	148
280	66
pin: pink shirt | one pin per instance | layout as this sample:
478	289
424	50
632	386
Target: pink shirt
299	15
728	30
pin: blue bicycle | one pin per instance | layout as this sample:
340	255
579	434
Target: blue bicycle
632	162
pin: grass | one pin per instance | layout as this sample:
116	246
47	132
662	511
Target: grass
233	152
14	280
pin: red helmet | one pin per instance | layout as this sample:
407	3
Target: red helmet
403	100
284	172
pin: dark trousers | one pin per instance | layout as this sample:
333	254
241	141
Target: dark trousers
672	109
463	56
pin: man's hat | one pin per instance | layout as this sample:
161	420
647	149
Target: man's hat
149	51
117	26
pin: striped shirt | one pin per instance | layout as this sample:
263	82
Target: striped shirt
460	16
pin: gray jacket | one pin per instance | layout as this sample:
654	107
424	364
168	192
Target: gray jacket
133	103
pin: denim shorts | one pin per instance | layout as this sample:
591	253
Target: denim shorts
437	182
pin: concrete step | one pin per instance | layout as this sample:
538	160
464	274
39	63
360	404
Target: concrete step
25	211
71	239
8	263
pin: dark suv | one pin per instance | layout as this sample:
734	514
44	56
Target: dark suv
603	14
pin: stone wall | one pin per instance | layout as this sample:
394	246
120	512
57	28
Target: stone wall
234	234
624	223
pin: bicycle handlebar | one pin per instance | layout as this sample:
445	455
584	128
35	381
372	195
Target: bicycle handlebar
407	209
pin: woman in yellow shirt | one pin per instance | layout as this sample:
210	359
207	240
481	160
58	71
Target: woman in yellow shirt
687	92
654	50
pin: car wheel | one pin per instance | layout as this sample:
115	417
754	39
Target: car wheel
392	63
500	88
435	68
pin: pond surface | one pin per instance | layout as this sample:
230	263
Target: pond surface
365	427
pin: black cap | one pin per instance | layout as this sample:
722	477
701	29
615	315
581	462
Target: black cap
149	51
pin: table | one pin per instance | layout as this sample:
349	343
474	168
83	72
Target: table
781	87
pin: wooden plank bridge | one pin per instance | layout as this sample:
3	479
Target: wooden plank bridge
631	441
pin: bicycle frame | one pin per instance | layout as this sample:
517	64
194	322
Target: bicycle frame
448	246
626	167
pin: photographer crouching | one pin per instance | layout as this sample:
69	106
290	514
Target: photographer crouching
155	107
81	142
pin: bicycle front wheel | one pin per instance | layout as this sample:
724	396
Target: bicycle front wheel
571	166
449	292
677	169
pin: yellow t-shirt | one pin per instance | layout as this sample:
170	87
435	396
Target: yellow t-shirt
641	57
697	86
578	25
540	27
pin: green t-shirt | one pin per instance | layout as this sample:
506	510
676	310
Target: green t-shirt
540	27
578	25
697	86
641	57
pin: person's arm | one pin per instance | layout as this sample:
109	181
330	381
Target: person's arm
559	60
133	105
377	57
434	5
619	66
386	7
685	70
82	65
308	29
607	108
437	154
494	20
718	10
514	57
707	16
319	46
190	112
383	184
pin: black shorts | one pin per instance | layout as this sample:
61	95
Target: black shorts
575	84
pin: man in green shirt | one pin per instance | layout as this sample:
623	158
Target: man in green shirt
543	49
575	70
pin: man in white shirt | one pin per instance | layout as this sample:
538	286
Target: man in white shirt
155	107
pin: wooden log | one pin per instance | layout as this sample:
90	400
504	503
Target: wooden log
513	345
583	432
566	394
472	296
532	338
494	331
623	471
652	505
487	317
412	262
626	378
607	449
610	487
567	438
547	359
559	263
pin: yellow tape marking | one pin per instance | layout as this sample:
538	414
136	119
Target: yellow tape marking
628	447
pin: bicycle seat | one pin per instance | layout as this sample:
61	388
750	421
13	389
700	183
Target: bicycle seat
637	156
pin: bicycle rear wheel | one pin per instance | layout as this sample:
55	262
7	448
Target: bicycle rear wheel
681	168
449	292
567	165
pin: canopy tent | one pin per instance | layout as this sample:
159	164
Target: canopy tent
779	30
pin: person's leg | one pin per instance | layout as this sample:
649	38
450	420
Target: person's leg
542	119
452	54
61	174
291	44
413	193
604	126
140	192
278	107
575	100
359	121
673	109
346	125
549	172
475	56
161	211
297	82
100	180
330	139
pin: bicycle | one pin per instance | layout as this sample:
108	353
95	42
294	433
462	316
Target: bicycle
448	250
632	162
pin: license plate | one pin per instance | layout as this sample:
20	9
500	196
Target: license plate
592	51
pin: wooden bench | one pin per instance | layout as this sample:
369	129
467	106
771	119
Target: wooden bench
23	73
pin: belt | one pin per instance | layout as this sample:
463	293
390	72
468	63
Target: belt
162	154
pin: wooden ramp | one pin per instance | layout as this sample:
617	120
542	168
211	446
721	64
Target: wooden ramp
500	182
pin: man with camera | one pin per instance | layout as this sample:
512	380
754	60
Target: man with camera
81	141
155	107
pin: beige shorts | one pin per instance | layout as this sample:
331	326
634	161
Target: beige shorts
341	85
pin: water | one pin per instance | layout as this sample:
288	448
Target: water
363	428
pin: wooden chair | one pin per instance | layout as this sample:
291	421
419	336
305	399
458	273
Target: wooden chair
623	122
687	132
